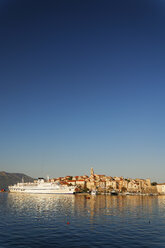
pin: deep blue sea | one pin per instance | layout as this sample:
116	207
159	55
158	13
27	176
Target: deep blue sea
74	221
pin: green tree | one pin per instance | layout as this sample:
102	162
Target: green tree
154	183
85	190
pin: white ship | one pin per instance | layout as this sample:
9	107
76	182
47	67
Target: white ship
42	187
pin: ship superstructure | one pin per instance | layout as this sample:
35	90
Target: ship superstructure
42	187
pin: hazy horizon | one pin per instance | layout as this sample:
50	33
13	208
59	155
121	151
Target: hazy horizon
88	174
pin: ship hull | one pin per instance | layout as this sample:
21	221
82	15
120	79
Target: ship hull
42	191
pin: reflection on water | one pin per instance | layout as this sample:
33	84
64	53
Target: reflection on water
40	203
66	220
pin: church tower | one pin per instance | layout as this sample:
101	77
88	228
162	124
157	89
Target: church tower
92	172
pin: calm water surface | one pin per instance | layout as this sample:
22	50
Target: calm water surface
74	221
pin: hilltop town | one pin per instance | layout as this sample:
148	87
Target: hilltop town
105	184
100	183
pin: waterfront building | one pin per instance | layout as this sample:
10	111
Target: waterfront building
161	188
109	183
81	182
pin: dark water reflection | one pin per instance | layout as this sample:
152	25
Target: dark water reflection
74	221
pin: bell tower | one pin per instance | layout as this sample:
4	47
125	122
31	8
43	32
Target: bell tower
92	172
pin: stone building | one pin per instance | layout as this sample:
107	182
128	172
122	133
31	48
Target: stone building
161	188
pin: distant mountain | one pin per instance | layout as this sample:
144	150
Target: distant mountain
7	179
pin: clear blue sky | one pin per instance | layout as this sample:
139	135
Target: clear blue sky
82	83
